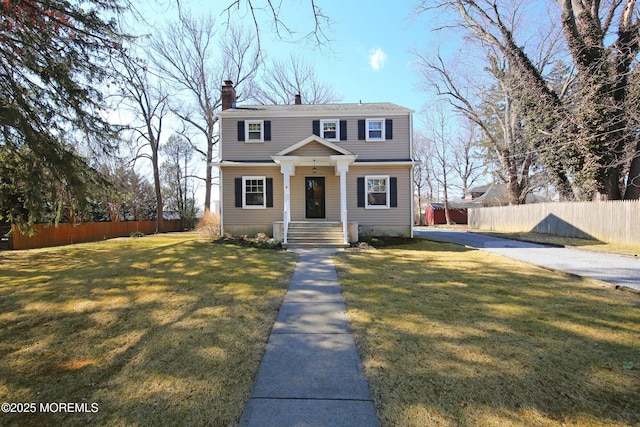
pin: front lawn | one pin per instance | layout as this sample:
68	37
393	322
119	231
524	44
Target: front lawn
457	337
161	330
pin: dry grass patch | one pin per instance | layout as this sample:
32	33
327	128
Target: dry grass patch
570	242
163	330
455	337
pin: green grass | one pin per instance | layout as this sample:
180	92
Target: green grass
161	330
456	337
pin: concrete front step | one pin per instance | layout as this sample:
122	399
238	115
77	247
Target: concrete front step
314	225
305	234
291	245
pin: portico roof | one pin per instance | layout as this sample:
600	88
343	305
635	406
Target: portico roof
314	139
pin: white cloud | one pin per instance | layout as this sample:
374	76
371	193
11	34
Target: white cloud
377	57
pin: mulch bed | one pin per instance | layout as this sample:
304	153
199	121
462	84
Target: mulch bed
369	244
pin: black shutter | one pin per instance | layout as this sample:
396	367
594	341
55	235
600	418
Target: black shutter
343	130
361	192
393	192
269	192
316	127
241	130
388	131
267	130
238	182
361	133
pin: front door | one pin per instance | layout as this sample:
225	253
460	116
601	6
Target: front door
314	197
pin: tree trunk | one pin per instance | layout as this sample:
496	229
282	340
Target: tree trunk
208	179
447	215
632	190
158	188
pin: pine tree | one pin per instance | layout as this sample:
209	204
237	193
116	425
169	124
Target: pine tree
54	62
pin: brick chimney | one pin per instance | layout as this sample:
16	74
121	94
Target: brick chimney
298	99
228	95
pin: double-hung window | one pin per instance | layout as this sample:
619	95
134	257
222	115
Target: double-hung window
375	130
254	131
254	191
330	129
377	192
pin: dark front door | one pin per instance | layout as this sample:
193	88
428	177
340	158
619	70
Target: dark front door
314	190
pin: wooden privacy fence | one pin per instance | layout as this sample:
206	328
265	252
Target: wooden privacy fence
63	234
611	222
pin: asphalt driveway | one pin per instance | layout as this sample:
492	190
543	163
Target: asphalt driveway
621	271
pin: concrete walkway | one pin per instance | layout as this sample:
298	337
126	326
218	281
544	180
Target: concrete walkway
311	374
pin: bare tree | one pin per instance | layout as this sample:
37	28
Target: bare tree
145	96
175	173
467	163
284	79
422	173
188	58
592	131
439	132
496	114
270	12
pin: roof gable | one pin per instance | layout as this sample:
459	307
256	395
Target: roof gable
314	143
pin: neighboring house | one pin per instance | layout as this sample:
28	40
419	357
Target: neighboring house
283	167
497	195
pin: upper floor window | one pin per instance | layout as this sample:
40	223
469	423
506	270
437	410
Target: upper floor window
330	129
375	130
254	131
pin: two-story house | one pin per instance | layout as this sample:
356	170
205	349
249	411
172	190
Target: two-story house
286	170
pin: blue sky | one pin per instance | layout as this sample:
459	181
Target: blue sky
370	54
370	57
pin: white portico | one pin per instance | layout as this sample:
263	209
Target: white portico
314	152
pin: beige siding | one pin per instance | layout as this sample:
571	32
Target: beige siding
371	221
381	221
250	221
286	131
313	149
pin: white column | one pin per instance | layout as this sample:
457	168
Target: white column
343	204
342	167
287	169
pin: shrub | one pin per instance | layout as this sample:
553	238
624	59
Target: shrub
137	234
209	225
375	242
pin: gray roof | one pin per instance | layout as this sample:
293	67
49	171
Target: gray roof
370	107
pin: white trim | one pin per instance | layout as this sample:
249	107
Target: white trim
318	111
244	192
221	192
413	165
337	122
366	191
383	130
228	163
384	163
246	131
